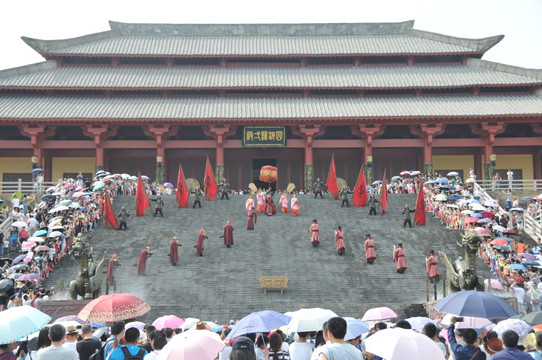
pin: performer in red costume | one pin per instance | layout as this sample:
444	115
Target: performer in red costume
228	234
399	258
370	253
339	240
110	278
142	261
315	233
199	244
252	217
174	251
431	264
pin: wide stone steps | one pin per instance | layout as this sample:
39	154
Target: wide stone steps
223	283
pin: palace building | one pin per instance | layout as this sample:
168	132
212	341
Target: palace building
146	97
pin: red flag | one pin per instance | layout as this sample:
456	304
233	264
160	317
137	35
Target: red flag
332	179
360	191
210	188
109	215
419	213
182	191
384	194
142	201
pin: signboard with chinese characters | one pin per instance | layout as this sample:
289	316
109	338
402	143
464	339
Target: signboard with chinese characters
264	136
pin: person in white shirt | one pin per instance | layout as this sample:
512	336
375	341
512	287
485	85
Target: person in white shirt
56	351
301	349
158	342
339	349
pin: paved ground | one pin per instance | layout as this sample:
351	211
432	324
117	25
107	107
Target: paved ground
223	284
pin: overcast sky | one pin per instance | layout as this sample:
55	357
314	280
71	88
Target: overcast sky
519	20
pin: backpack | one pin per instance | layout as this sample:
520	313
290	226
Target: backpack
129	356
99	355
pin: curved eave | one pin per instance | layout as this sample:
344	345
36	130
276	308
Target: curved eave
49	56
394	120
266	88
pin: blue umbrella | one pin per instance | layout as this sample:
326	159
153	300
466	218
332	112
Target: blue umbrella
261	321
98	186
377	182
477	215
454	197
475	303
40	233
431	182
447	187
530	263
168	184
355	328
46	197
442	180
37	171
516	267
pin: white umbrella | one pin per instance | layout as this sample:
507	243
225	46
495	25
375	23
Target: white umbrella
36	239
467	212
189	323
58	209
469	322
54	234
309	319
401	344
378	314
470	181
519	326
453	173
19	224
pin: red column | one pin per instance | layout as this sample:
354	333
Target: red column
537	165
98	131
220	133
309	132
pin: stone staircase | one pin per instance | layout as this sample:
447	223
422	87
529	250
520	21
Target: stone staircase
223	283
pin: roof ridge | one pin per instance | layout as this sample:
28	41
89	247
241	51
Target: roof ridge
45	46
268	29
510	69
482	44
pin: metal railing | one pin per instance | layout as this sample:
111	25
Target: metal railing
5	226
29	187
528	185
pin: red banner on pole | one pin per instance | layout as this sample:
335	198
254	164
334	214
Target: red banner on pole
384	194
332	179
110	220
183	196
210	188
360	191
142	201
419	213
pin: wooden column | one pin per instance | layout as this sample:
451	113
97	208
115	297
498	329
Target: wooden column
159	132
98	133
490	131
537	154
220	133
368	133
429	131
309	132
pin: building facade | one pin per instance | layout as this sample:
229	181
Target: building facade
146	97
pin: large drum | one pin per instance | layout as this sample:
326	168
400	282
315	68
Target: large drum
268	174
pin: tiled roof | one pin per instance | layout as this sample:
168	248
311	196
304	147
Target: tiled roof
201	40
267	109
49	76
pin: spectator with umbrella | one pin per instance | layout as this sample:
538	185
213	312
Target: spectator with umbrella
469	351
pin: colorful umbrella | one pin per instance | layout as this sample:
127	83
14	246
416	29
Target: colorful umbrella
114	307
68	186
526	256
404	172
400	344
168	321
19	322
441	197
78	194
415	173
499	242
168	185
509	231
495	284
378	314
261	321
42	248
516	267
309	319
18	259
192	344
70	318
475	303
471	220
487	214
31	276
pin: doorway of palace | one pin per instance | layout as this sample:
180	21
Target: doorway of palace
257	165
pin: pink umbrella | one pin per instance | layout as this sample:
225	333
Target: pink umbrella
377	314
68	186
78	194
483	231
28	258
42	248
509	231
495	284
469	322
168	321
192	344
27	245
472	220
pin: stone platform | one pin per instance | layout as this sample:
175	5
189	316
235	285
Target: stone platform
223	284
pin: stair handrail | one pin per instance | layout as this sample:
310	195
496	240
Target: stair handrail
6	225
517	185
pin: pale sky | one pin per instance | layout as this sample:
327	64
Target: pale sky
518	20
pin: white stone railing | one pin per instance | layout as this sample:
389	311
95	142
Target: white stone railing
530	185
9	187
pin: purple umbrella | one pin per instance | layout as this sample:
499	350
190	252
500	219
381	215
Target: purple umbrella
261	321
18	259
31	276
527	256
69	318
